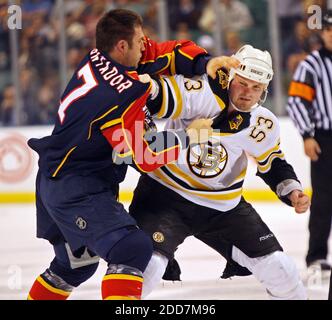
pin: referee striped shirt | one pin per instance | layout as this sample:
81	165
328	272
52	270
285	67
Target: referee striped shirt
310	94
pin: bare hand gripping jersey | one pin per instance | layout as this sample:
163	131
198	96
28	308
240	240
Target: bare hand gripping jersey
212	174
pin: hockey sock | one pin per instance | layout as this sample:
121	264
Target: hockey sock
122	283
48	286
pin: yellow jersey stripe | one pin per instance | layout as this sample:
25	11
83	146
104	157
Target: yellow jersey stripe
220	102
172	71
222	134
147	61
124	155
178	104
213	196
267	166
153	60
52	289
168	56
163	110
110	124
29	297
120	298
268	152
174	169
186	55
103	116
63	161
117	276
160	152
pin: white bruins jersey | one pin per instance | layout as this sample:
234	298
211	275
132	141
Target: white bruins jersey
212	174
187	99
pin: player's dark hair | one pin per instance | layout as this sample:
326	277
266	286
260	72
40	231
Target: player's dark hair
116	25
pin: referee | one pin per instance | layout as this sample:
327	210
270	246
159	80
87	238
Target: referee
310	107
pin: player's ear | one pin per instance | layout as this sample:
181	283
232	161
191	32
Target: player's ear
122	46
263	96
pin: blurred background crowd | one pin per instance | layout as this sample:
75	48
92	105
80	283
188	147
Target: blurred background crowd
38	60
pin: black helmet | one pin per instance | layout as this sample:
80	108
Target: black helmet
327	18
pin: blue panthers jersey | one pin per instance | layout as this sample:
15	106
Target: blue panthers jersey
101	116
97	94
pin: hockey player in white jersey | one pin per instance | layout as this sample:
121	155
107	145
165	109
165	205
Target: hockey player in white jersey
201	193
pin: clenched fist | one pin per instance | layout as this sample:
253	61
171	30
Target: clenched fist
199	131
221	62
300	201
145	78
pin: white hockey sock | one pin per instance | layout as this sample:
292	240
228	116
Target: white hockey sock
153	273
276	272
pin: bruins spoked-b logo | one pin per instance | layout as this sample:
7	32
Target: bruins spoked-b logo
207	160
158	237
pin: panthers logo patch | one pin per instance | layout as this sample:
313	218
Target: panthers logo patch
81	223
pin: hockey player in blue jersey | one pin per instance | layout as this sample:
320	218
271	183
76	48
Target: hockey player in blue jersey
102	118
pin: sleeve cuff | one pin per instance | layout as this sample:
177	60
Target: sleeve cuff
287	186
308	135
200	65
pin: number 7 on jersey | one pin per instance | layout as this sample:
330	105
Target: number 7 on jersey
89	82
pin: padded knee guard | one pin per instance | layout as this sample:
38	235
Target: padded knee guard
154	272
73	267
73	277
134	250
277	272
